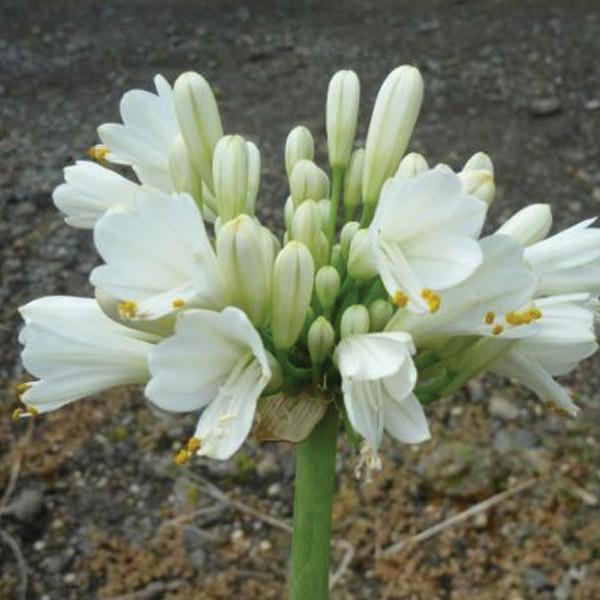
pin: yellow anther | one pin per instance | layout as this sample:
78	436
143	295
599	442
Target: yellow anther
535	313
400	299
489	317
17	414
178	303
22	388
98	152
128	309
193	444
498	329
433	300
514	318
556	409
33	411
182	457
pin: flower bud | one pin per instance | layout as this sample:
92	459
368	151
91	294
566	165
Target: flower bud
276	374
306	225
479	184
361	265
308	182
230	175
411	165
199	121
321	339
343	97
293	277
288	212
480	161
322	254
184	177
253	182
245	252
346	235
353	182
380	312
327	286
298	146
530	225
394	116
337	261
324	208
355	321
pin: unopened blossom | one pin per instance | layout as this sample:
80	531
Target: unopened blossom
298	146
412	165
529	225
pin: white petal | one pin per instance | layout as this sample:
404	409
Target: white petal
362	400
406	420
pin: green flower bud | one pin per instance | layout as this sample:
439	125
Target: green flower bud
324	206
380	312
343	97
411	165
353	181
394	116
308	182
360	259
245	252
346	235
199	121
327	286
355	320
293	277
298	146
337	260
321	339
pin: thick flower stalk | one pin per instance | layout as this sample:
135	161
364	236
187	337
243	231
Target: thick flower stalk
360	321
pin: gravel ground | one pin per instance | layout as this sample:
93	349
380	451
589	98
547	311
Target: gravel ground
98	509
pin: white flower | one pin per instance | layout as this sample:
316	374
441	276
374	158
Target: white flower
568	262
501	285
158	257
214	360
90	190
143	140
565	337
378	377
76	350
424	237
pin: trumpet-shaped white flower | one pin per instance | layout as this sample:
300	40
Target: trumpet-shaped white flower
501	285
158	257
143	140
568	262
565	338
424	237
90	190
76	350
214	361
378	377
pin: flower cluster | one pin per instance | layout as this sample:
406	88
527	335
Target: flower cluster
206	307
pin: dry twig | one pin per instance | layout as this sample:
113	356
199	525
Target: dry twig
459	518
156	587
10	541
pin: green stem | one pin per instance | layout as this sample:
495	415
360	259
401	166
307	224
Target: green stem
336	192
313	500
367	215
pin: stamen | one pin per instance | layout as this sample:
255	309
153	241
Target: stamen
185	454
553	407
128	309
400	299
489	317
21	388
514	318
21	413
498	329
193	444
98	152
17	414
433	300
178	303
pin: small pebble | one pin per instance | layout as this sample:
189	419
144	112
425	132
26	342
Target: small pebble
545	107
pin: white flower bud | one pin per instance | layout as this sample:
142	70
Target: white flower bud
346	235
411	165
479	184
361	265
480	161
530	225
253	182
230	174
380	312
276	375
327	286
245	252
355	321
308	182
324	208
337	261
321	339
288	212
353	182
184	177
322	254
306	225
298	146
343	96
199	120
293	277
394	116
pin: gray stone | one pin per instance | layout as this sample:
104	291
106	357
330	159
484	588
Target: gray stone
508	440
535	579
545	107
503	409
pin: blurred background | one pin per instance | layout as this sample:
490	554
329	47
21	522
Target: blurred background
94	505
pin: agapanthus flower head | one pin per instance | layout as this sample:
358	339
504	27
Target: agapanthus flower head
397	304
